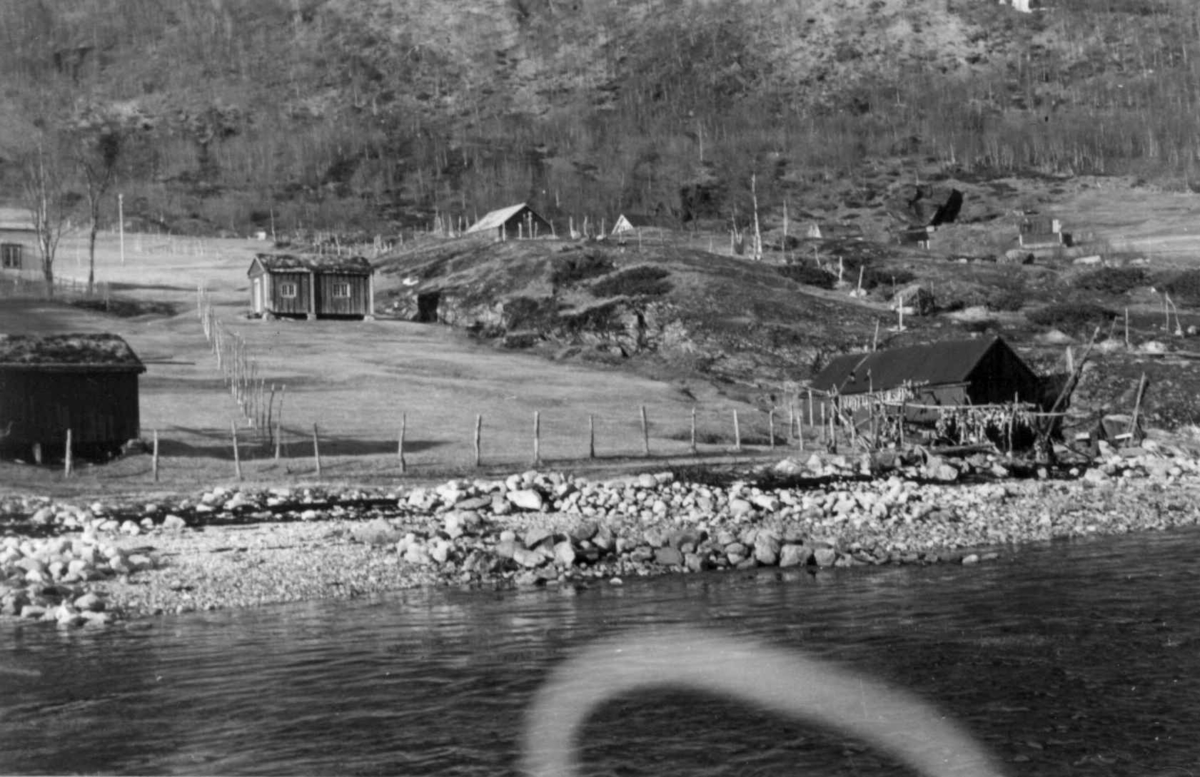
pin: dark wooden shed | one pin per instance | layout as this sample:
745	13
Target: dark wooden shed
980	371
515	221
87	383
18	241
312	286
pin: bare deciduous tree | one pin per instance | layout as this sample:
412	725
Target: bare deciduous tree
44	185
97	154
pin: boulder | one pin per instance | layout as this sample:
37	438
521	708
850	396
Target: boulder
668	557
791	555
526	499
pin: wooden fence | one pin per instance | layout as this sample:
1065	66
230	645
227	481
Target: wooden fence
29	284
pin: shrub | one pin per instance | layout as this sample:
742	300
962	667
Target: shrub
808	275
1011	299
880	276
1185	287
571	269
643	280
1112	280
1070	315
529	313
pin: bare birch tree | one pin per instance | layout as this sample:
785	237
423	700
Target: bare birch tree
46	198
97	154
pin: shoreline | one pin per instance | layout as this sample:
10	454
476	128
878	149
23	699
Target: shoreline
102	563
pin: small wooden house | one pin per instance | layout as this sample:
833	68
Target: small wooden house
87	383
1042	232
312	286
515	221
957	372
18	241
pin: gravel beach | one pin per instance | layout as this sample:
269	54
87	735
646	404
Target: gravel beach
87	565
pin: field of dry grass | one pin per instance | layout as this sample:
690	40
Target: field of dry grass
353	380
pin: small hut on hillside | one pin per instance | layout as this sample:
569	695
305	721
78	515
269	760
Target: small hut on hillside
515	221
312	286
18	241
87	383
951	373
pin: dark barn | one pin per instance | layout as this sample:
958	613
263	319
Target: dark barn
312	286
957	372
87	383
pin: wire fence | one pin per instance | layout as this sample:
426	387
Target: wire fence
30	284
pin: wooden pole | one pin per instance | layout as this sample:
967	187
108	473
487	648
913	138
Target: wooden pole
279	421
1126	328
400	443
645	432
237	459
823	437
154	457
317	449
737	432
694	451
810	408
67	456
771	427
478	436
1137	406
591	436
537	438
875	339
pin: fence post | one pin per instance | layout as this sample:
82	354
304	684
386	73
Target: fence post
591	436
645	432
537	435
154	457
694	451
737	432
237	460
400	444
771	427
67	457
317	449
478	436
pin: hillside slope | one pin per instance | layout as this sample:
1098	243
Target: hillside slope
380	114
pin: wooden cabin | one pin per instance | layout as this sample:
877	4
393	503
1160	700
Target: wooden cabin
515	221
18	241
87	383
311	286
980	371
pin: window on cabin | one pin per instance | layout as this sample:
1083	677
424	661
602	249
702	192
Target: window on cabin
287	290
341	290
10	256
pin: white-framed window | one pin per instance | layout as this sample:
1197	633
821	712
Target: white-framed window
341	290
10	256
288	290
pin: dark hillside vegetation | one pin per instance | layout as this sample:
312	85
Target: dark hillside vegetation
332	114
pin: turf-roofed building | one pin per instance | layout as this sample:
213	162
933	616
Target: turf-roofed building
87	383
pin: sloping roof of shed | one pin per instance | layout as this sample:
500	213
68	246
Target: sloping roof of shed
346	265
15	218
951	361
498	218
82	352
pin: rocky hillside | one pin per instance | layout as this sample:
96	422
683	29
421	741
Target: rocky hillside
381	114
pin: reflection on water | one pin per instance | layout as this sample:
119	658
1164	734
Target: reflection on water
1072	659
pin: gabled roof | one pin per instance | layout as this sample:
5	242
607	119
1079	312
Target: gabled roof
498	218
951	361
69	352
639	221
345	265
16	219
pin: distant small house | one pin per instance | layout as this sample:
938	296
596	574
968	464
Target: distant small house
87	383
1025	6
1042	232
515	221
916	236
979	372
18	241
829	230
312	286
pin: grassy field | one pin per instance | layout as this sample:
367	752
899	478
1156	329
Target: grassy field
352	379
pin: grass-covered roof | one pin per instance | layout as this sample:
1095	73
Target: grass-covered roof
106	352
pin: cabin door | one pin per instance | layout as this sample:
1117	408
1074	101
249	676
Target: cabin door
257	295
